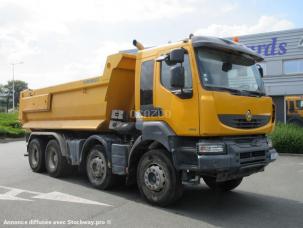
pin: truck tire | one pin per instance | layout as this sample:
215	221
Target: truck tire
36	155
222	186
56	165
158	180
97	169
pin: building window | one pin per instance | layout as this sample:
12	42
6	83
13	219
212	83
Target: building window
165	74
263	65
146	83
293	66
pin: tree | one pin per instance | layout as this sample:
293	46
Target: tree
1	90
3	102
19	86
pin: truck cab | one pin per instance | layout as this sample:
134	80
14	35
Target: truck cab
218	89
203	99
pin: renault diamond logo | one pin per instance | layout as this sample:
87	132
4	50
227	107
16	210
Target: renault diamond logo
301	42
248	116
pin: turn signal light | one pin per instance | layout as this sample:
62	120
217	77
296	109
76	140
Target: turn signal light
207	148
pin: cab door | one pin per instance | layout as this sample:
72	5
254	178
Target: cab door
180	113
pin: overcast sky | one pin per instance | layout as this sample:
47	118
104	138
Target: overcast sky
64	40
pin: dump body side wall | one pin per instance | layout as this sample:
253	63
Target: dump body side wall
82	105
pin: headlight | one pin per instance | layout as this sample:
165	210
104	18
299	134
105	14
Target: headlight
210	148
269	142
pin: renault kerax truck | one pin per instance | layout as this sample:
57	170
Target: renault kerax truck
159	117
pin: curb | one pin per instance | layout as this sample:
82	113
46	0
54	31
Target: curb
8	140
288	154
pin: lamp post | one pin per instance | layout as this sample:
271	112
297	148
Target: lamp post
13	70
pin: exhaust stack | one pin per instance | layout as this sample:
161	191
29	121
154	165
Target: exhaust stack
138	45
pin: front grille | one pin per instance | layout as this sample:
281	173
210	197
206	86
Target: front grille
258	153
252	157
239	121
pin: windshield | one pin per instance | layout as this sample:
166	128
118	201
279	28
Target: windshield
222	70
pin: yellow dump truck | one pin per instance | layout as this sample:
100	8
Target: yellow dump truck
158	117
294	106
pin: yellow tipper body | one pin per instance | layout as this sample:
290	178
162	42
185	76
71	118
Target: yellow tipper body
82	105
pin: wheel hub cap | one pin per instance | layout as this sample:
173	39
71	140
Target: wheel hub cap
154	178
53	161
97	167
35	157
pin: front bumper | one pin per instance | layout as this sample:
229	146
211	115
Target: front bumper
231	166
243	156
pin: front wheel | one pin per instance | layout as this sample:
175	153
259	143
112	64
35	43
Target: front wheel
222	186
158	180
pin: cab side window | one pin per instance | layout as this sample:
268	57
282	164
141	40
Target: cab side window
146	84
165	74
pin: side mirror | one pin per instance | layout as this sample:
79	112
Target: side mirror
260	69
227	66
177	78
176	56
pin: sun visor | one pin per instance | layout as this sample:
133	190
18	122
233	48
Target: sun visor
226	45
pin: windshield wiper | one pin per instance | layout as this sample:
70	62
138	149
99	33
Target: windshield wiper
258	93
219	88
237	91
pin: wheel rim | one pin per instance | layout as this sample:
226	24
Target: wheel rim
35	156
97	167
53	159
154	177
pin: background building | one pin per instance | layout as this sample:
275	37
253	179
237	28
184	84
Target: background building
283	66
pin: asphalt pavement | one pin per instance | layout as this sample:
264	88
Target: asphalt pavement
273	198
